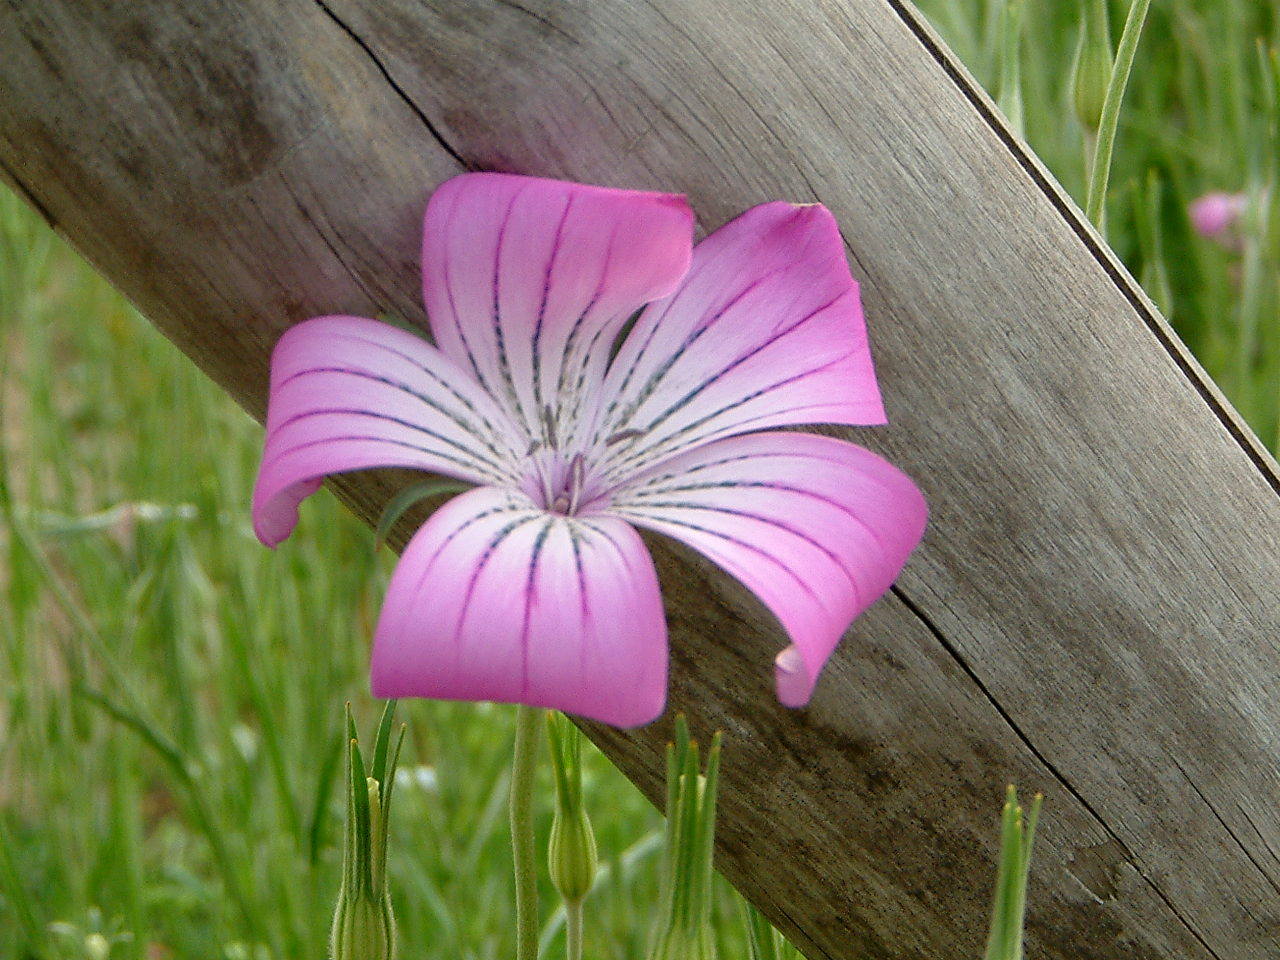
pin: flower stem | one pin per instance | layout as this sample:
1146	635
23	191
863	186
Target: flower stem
1096	199
523	768
573	931
1090	154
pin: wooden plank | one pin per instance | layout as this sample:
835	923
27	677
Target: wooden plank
1093	611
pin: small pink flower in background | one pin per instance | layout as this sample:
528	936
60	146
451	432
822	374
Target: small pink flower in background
1215	214
534	587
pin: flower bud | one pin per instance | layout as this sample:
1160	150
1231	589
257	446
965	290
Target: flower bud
1091	71
683	930
364	930
1017	836
1215	214
571	853
364	927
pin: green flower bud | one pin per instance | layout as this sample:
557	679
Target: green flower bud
364	927
1091	71
683	930
1017	836
571	853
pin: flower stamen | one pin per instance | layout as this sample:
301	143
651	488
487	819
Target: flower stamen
569	497
622	435
577	480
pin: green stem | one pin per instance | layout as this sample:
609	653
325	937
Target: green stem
573	931
1251	282
1090	155
523	768
1095	202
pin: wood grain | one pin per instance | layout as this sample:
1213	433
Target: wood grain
1093	611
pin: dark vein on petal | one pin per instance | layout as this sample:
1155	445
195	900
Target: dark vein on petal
641	517
665	367
654	326
504	362
571	359
660	447
538	543
535	344
772	485
608	538
575	539
464	425
489	550
446	258
755	351
493	467
769	521
453	535
464	470
657	479
584	366
453	391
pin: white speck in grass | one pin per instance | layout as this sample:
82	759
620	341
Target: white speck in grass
422	777
246	741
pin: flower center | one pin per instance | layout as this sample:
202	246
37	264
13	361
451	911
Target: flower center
561	487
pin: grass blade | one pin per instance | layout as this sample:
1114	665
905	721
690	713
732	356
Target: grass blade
1096	198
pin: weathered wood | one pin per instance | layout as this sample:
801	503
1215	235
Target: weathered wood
1093	611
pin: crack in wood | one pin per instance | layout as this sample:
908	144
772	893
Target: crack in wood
1225	826
329	243
1265	842
547	22
1053	770
439	137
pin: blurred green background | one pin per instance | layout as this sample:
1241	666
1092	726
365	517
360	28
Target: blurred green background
170	692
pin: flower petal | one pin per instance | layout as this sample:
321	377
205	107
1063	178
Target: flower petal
765	330
528	282
817	528
348	394
495	599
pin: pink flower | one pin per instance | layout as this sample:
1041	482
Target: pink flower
1215	213
534	587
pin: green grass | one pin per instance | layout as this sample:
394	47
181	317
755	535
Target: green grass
171	692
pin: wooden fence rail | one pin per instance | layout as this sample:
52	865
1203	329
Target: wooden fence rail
1093	611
